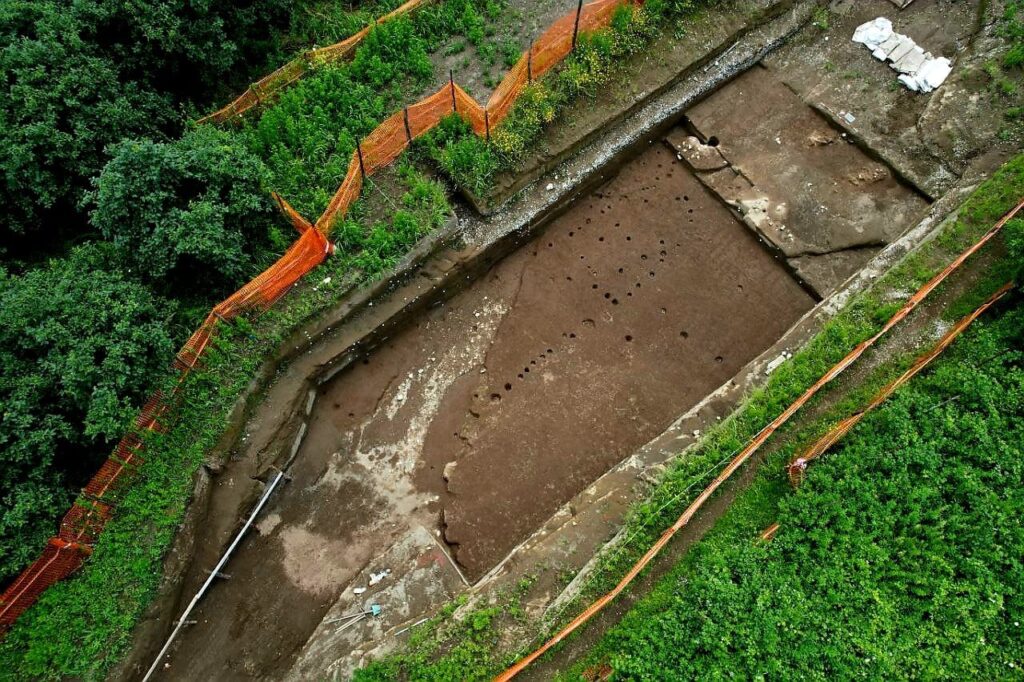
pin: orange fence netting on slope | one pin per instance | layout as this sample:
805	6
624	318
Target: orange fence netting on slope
798	466
83	523
748	451
266	87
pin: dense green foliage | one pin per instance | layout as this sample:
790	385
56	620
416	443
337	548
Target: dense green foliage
81	626
78	347
195	212
79	76
901	555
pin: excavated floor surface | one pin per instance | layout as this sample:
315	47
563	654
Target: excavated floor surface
495	408
469	428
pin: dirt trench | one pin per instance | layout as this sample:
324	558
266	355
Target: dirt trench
474	424
492	410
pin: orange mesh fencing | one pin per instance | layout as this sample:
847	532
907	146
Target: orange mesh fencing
321	55
429	111
271	84
798	466
468	109
385	143
349	191
504	96
57	561
753	446
86	519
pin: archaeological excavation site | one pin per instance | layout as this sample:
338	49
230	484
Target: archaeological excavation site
611	340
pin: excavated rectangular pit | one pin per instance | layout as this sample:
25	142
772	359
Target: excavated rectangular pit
492	410
487	413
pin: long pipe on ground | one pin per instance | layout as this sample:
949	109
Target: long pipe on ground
213	575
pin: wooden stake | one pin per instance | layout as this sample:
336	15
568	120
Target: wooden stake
576	26
451	84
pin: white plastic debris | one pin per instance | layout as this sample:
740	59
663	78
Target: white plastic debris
358	590
550	186
873	33
775	363
377	577
919	70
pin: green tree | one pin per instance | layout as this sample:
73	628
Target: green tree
78	76
191	212
79	346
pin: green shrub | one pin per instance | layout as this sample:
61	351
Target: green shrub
391	51
463	155
192	214
79	345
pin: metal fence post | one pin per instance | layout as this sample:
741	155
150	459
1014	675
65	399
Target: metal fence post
576	26
529	63
405	118
451	84
359	151
487	125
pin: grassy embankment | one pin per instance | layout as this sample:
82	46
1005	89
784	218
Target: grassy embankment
471	644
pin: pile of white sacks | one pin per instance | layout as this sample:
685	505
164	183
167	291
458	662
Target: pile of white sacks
919	70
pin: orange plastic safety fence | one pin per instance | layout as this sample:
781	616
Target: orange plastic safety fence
298	221
468	109
798	465
59	560
385	143
428	112
83	523
321	55
343	198
553	45
504	96
748	451
284	76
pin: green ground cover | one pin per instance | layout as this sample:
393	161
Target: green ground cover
432	650
173	224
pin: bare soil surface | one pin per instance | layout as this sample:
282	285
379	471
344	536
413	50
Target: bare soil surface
614	324
479	68
494	409
799	181
933	138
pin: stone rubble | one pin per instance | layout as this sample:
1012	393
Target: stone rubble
919	70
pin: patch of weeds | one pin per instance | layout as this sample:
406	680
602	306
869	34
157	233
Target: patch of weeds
460	153
455	48
821	18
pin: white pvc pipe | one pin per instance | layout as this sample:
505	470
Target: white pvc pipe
213	575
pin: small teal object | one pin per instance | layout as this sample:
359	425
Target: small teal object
375	609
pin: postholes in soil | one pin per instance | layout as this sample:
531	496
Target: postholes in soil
597	319
497	407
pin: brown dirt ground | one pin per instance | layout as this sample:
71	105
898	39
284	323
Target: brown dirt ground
566	357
